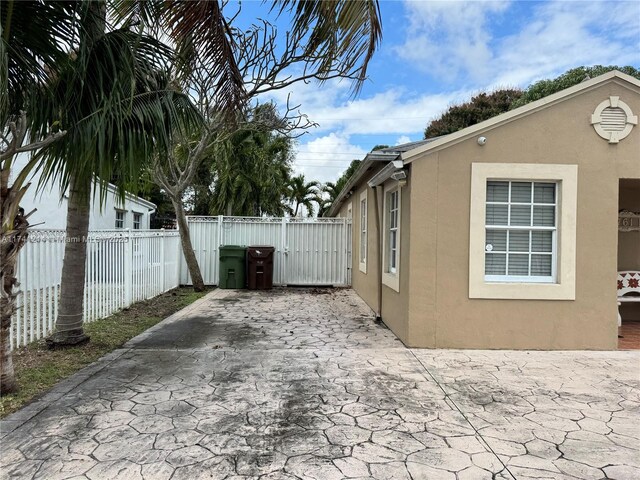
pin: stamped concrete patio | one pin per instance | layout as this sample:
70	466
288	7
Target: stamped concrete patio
303	384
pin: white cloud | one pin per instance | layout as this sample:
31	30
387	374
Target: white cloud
447	39
394	111
470	47
563	35
460	41
325	158
402	139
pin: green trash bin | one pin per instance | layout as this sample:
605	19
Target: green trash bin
232	266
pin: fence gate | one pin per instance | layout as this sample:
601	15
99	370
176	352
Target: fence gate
308	251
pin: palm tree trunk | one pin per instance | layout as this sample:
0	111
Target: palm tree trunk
68	328
187	248
11	241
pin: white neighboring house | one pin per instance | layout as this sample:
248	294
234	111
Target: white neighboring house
51	206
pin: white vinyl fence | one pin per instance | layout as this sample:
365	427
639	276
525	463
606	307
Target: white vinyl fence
308	251
126	266
123	267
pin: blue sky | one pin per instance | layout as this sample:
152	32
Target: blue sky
435	54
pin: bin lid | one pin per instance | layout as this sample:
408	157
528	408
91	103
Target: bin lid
260	251
232	247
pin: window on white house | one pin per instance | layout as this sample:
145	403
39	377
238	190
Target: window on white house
363	230
137	220
392	230
120	218
520	231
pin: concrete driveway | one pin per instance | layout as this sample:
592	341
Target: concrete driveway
302	384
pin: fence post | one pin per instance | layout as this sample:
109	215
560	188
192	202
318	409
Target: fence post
348	242
162	267
216	266
128	270
284	252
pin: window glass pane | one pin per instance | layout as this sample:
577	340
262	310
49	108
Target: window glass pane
495	263
392	249
497	214
497	239
518	241
528	204
541	241
521	192
541	265
544	216
497	191
544	193
518	264
520	215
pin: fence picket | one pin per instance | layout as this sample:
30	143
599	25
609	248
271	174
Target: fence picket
113	280
126	266
309	251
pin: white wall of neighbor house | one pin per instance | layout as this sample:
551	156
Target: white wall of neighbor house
52	206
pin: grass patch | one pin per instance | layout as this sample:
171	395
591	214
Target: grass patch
38	369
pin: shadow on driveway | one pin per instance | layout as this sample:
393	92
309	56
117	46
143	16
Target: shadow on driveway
292	384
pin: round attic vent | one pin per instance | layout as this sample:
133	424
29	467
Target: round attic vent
613	120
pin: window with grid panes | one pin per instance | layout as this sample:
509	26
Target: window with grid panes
392	245
521	229
119	219
363	230
137	221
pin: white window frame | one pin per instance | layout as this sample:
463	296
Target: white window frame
554	246
391	276
140	217
364	236
563	285
122	220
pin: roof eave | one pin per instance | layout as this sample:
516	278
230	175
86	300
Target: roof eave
134	198
370	159
461	135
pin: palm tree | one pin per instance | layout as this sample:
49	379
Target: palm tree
116	100
225	66
112	124
29	45
327	195
331	191
302	193
252	169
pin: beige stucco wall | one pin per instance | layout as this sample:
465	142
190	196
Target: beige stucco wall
394	304
365	284
629	242
441	313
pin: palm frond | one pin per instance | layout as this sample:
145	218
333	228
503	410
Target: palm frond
342	31
34	40
201	34
118	106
